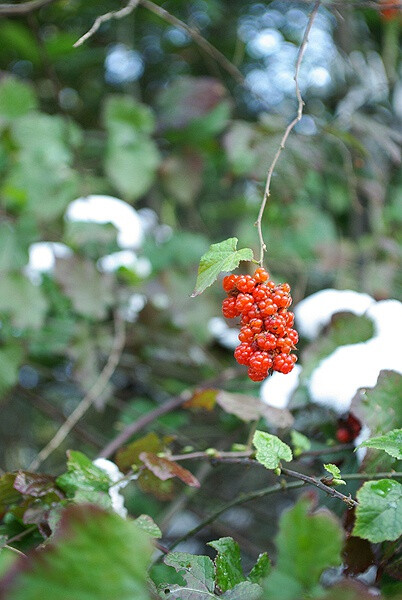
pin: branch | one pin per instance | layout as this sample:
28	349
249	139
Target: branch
208	48
89	398
167	407
115	14
289	128
321	486
272	489
24	8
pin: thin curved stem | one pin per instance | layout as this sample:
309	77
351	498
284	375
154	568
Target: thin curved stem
289	128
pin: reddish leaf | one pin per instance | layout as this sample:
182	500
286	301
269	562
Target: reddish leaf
36	485
166	469
130	455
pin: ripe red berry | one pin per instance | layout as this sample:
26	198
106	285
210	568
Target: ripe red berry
293	336
246	334
245	284
229	309
244	303
243	353
343	435
256	375
261	361
266	341
261	275
283	363
229	283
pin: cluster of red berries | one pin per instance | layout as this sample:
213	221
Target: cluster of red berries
266	336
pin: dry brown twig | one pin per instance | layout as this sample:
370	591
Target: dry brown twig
24	8
288	129
89	398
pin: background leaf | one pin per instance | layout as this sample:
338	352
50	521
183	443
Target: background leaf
270	450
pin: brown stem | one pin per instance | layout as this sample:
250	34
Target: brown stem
165	408
289	128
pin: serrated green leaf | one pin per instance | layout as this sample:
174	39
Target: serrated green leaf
220	258
270	449
307	544
228	571
261	569
147	524
198	573
333	469
391	443
94	555
82	474
379	512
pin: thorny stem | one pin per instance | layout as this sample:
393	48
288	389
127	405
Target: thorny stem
289	128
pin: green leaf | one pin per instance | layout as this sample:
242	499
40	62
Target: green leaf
13	253
82	474
16	98
379	512
228	571
16	293
391	443
8	494
300	442
336	474
147	524
198	573
95	555
220	257
307	544
243	591
333	469
10	361
132	157
270	450
261	569
89	290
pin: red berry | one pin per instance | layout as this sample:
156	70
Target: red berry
266	341
229	283
246	334
267	308
243	353
256	325
245	284
244	303
256	375
261	361
293	336
260	293
229	309
276	324
283	363
261	275
343	435
290	319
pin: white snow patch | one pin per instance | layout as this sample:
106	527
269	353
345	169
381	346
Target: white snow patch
125	258
107	209
278	389
42	258
114	491
226	336
316	311
338	377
